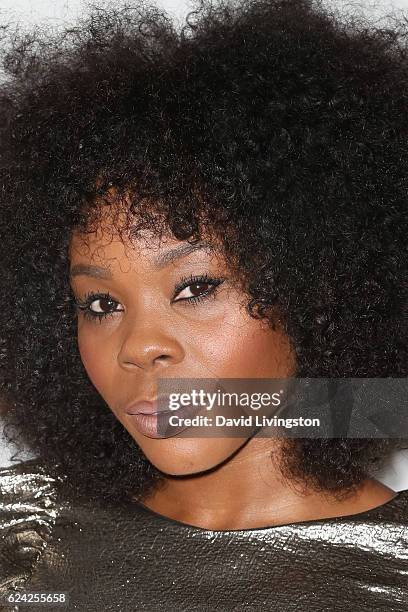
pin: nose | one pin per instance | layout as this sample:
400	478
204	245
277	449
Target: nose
148	347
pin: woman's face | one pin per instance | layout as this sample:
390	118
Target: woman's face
169	315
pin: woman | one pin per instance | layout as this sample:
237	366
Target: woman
227	202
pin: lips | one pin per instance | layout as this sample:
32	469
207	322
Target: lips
149	406
153	422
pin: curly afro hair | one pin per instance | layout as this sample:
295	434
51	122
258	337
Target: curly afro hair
279	126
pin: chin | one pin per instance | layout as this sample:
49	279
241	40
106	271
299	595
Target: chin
187	456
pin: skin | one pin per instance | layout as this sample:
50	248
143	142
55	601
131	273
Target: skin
211	482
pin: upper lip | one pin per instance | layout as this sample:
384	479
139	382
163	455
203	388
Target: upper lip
147	406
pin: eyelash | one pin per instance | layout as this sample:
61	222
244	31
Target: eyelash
84	305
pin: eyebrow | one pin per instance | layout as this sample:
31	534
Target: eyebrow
161	261
182	250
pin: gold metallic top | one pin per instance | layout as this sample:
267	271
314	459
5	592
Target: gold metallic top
128	558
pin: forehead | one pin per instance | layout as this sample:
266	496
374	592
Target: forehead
107	238
115	237
107	246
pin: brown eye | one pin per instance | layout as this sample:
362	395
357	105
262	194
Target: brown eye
98	306
194	290
103	305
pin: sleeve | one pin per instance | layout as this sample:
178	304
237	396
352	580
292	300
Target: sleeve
27	517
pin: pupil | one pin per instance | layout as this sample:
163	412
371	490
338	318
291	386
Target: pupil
106	301
198	285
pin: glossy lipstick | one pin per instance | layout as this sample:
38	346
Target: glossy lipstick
152	421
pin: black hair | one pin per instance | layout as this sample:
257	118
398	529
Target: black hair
278	125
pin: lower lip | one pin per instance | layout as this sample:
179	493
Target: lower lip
148	424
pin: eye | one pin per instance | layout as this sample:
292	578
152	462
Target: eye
197	288
194	289
98	305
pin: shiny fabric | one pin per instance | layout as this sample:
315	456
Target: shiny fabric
128	558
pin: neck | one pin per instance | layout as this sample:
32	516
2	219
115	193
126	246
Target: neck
249	491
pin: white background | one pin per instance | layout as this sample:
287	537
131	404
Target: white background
52	13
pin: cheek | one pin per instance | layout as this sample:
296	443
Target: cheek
244	347
98	361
